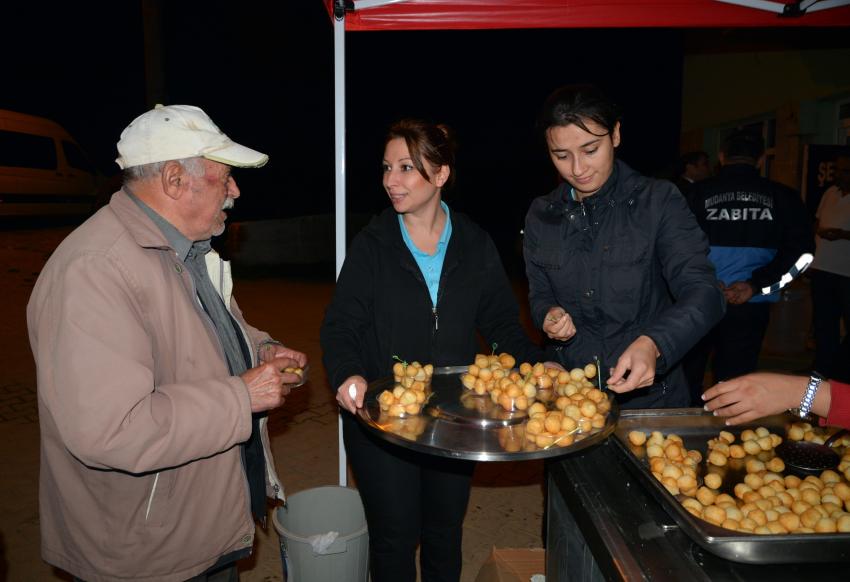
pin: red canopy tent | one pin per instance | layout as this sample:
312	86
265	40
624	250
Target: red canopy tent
476	14
362	15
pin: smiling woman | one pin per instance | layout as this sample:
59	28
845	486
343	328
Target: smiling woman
420	281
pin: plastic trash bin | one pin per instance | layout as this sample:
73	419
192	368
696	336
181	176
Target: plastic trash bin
303	526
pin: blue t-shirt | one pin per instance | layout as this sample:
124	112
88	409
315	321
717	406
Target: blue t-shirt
430	265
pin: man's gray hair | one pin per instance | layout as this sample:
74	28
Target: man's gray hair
195	167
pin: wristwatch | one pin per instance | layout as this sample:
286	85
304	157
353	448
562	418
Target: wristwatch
809	395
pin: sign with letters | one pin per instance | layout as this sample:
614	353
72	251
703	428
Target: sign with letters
818	173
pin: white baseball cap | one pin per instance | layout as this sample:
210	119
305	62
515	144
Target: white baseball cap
176	132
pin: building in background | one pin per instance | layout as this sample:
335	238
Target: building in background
793	88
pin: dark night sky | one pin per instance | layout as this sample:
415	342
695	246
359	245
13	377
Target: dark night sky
266	78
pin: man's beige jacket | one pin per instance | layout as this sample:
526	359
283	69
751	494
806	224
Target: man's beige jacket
141	472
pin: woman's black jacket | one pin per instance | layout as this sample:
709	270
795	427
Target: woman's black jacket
630	260
381	306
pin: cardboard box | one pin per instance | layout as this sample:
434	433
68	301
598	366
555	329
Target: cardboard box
512	565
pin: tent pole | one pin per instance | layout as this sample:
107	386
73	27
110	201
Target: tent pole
339	201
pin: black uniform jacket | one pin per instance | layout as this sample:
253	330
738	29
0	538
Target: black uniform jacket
381	306
757	228
628	261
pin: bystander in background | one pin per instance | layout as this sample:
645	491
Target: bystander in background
757	229
690	169
830	276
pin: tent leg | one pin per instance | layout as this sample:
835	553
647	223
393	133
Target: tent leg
339	204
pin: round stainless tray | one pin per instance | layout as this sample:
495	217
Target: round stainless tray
457	423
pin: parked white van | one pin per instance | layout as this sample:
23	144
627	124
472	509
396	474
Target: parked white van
42	169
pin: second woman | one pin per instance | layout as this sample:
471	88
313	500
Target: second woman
418	282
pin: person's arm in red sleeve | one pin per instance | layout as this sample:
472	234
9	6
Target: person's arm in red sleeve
754	396
839	404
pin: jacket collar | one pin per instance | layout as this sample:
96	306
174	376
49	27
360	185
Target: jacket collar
138	224
742	169
619	187
386	230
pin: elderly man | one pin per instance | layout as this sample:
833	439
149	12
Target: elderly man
152	388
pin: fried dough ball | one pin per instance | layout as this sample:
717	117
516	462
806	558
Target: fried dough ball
536	408
398	371
597	420
826	525
572	411
686	482
552	423
717	458
577	374
706	496
568	424
713	480
714	514
507	361
751	447
544	440
565	440
386	399
534	426
830	476
795	432
765	443
740	489
671	485
587	408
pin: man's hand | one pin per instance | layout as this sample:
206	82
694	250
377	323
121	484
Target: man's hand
738	292
558	324
270	351
343	393
268	384
639	361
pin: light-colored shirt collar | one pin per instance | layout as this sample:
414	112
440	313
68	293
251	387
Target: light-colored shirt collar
444	237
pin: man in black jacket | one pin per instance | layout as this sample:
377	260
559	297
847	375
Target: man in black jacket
691	168
757	230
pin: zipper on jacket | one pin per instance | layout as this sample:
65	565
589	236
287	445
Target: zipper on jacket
209	323
150	499
436	318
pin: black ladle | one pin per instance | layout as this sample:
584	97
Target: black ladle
807	457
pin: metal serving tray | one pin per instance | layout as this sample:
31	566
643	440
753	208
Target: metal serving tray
459	424
695	427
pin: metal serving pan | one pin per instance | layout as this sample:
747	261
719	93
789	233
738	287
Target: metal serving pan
695	427
459	424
